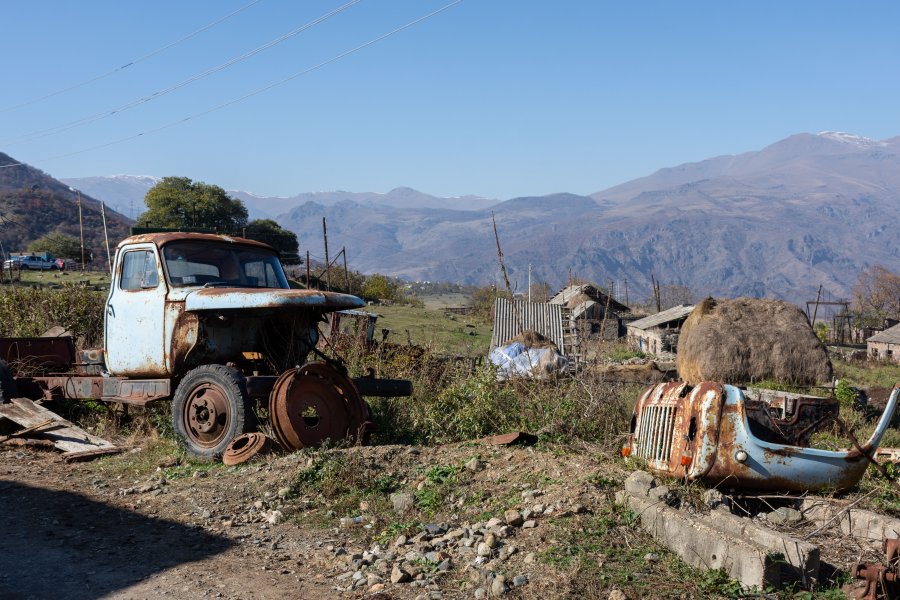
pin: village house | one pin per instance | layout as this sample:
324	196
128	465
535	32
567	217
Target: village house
594	313
885	345
658	333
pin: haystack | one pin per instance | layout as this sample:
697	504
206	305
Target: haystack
748	340
532	339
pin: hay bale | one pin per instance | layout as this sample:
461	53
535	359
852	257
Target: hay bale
748	340
531	339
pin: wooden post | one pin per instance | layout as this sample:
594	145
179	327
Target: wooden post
106	236
346	272
816	309
81	229
327	262
308	282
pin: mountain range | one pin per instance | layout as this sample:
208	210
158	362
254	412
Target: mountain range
809	210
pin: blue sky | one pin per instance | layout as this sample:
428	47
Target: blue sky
498	98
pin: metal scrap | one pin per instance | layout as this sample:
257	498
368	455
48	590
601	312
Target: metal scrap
244	448
881	580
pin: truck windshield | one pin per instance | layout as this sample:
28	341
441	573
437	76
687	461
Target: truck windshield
210	264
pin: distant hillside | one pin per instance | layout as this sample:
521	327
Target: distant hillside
33	204
808	210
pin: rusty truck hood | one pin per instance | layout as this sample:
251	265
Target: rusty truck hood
267	298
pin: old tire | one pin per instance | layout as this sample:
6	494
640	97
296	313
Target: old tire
210	409
7	383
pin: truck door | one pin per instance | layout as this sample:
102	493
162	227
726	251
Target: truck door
135	314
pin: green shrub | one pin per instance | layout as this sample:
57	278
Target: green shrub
30	311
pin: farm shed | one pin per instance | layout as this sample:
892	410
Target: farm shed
658	333
594	313
885	345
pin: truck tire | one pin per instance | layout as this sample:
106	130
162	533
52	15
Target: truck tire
7	383
211	408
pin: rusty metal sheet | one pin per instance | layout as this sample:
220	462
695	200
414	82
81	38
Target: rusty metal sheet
107	389
218	299
161	239
41	353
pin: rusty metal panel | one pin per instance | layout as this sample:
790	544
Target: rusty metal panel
42	354
511	318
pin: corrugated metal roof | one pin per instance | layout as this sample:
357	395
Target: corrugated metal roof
565	295
670	314
547	319
889	336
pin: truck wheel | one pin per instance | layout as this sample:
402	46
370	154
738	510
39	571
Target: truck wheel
7	383
210	409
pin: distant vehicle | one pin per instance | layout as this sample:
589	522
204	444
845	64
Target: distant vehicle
31	263
60	264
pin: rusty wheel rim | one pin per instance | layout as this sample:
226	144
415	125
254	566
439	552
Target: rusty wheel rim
315	403
206	415
244	447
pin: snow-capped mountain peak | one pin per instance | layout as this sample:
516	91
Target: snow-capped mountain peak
851	138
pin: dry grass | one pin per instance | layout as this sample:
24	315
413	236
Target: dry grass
748	340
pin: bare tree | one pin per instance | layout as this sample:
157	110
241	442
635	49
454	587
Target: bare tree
876	296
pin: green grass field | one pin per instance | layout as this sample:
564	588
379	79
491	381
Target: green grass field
447	334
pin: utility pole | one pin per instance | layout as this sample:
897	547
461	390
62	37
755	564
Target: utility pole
308	281
81	230
327	262
106	236
346	272
529	282
626	292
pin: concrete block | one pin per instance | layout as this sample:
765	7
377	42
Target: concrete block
856	522
701	544
800	559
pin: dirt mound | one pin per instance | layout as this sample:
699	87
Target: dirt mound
748	340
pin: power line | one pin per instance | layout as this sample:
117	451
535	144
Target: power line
130	63
34	135
245	96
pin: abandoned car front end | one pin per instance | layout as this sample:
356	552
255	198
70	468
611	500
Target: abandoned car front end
745	438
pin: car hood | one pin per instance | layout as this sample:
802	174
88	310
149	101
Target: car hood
209	299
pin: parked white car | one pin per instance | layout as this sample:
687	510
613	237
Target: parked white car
26	263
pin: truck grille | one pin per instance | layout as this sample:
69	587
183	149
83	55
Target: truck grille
655	432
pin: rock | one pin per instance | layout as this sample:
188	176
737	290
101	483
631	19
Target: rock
483	549
639	483
530	524
434	529
480	593
275	517
491	540
660	492
400	541
513	518
373	579
284	492
784	515
498	586
617	595
530	558
378	587
531	494
651	557
519	580
713	498
398	575
403	501
475	465
493	523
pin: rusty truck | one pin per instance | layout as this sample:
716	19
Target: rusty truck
209	322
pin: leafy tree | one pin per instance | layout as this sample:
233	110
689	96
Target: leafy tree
483	301
179	203
58	244
876	296
270	232
380	287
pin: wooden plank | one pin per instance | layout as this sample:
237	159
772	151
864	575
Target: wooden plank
66	436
